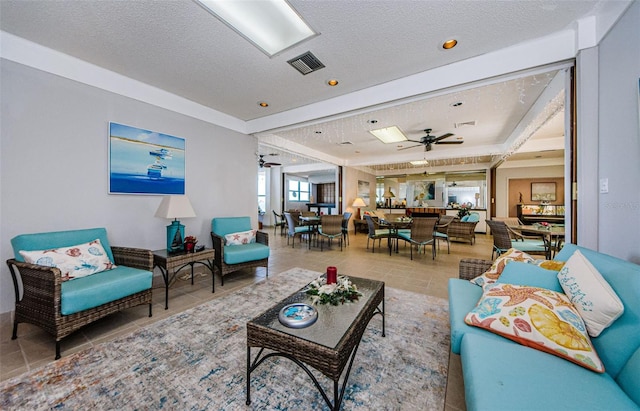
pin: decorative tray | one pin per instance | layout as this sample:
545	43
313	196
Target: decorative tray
297	315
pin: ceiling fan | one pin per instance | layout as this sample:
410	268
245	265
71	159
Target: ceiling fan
428	140
266	164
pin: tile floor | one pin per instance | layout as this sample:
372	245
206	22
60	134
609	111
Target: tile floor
34	348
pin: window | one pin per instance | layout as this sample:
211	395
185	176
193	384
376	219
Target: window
298	191
262	191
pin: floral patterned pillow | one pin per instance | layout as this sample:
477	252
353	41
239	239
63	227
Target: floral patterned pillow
239	238
491	275
538	318
74	262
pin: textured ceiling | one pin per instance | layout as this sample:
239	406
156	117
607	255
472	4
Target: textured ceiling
180	48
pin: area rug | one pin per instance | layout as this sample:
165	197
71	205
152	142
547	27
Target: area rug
196	360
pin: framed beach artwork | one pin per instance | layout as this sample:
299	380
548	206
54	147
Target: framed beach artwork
363	191
145	162
543	191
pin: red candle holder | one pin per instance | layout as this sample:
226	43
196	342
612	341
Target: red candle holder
332	275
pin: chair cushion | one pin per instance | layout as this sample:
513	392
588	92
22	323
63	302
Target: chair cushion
74	262
101	288
226	225
594	298
382	231
235	254
473	218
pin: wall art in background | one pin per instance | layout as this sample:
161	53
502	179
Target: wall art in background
145	162
363	191
543	191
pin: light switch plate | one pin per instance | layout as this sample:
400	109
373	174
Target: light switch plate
604	185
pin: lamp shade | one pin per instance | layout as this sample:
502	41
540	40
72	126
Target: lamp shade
175	207
389	194
358	202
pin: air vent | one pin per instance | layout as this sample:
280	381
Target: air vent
306	63
465	123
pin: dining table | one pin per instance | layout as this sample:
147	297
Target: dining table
553	234
394	224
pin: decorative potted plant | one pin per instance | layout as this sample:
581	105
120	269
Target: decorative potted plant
190	243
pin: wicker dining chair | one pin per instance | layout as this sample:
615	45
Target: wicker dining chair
331	227
345	227
278	222
375	233
294	228
441	232
502	241
422	234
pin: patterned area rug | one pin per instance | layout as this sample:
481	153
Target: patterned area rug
196	360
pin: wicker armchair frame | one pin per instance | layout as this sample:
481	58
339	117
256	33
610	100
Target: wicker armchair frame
470	268
331	228
224	268
40	303
422	233
463	230
502	241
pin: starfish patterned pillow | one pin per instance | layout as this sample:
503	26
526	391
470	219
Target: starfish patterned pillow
242	237
74	262
493	273
538	318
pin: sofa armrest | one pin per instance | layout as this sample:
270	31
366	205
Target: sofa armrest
41	286
133	257
470	268
262	238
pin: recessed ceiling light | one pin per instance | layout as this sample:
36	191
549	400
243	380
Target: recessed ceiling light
449	44
272	26
456	104
263	104
389	134
372	121
332	82
419	163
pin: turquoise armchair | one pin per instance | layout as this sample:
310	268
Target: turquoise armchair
233	257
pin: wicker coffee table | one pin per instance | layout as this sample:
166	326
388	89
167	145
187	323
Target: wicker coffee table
327	345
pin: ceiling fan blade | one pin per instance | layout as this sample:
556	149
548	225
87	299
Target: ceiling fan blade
449	142
406	148
272	164
415	141
442	137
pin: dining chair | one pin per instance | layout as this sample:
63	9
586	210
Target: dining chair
502	241
331	227
422	234
294	228
345	227
441	232
375	233
278	222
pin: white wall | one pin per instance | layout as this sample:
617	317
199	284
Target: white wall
53	163
609	140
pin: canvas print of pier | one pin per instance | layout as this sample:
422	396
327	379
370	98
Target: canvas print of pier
145	162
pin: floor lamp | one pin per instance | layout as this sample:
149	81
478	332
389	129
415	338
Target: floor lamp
358	202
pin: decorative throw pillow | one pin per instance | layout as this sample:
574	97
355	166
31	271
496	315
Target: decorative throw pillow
552	265
592	296
74	262
530	274
242	237
538	318
491	275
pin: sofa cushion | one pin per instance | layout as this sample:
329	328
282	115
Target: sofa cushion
500	375
74	262
235	254
615	344
628	377
101	288
463	297
533	275
594	298
239	238
56	239
538	318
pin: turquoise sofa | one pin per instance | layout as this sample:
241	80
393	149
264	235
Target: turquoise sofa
502	375
44	298
231	258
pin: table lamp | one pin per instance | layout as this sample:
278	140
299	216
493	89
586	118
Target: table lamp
388	196
358	202
175	207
